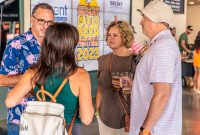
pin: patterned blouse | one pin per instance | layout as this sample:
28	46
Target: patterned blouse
21	52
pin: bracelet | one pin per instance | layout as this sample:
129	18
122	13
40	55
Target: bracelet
96	114
145	131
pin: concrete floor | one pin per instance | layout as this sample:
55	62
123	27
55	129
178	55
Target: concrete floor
191	116
191	112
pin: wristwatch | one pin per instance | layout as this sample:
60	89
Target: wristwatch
145	131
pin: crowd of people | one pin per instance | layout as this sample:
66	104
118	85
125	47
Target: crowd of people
139	88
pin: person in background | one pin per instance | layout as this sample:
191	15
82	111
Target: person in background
56	62
196	63
183	40
110	112
173	31
21	52
136	47
186	50
156	98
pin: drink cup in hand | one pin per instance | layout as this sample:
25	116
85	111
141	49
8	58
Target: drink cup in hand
116	80
126	82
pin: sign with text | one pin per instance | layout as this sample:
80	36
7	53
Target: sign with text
62	9
177	5
10	11
91	17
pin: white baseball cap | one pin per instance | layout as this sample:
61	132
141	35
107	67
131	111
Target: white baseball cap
158	11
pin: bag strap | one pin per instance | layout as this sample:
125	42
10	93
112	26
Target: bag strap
72	122
44	92
60	87
120	100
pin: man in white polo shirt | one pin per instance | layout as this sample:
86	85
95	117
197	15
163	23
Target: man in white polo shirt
156	102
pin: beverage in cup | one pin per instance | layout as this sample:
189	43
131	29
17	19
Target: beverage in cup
126	82
116	80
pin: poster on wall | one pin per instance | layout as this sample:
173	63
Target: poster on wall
177	5
87	19
62	9
91	17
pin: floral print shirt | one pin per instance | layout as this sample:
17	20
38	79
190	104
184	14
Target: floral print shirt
21	52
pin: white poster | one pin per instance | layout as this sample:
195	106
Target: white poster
91	17
117	6
62	9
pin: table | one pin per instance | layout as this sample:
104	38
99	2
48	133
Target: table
187	70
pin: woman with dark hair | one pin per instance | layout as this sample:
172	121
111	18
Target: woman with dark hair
57	61
196	64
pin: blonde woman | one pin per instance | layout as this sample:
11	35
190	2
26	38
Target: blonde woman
110	111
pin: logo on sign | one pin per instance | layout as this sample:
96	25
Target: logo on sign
116	3
60	13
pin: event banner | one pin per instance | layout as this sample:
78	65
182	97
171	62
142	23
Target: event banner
91	17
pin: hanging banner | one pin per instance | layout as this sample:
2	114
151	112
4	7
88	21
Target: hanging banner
10	11
91	17
88	26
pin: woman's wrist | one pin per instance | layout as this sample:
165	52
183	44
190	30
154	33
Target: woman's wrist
97	113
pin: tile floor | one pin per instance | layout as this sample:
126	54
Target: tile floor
191	116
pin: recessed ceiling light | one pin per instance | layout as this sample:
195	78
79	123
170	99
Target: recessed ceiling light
191	2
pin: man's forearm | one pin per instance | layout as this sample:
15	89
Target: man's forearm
9	80
186	49
156	109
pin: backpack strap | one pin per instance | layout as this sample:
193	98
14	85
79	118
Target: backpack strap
45	92
60	87
43	95
69	132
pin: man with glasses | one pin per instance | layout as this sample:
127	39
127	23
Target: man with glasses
156	98
21	52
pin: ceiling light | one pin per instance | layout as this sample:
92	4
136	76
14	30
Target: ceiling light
191	2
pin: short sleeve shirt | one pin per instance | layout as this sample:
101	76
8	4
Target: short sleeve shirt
110	110
160	63
184	37
21	52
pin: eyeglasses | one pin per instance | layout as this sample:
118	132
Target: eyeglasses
42	21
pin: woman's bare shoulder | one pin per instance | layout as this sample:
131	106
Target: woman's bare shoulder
80	74
81	71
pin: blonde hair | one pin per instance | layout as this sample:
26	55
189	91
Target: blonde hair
126	32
